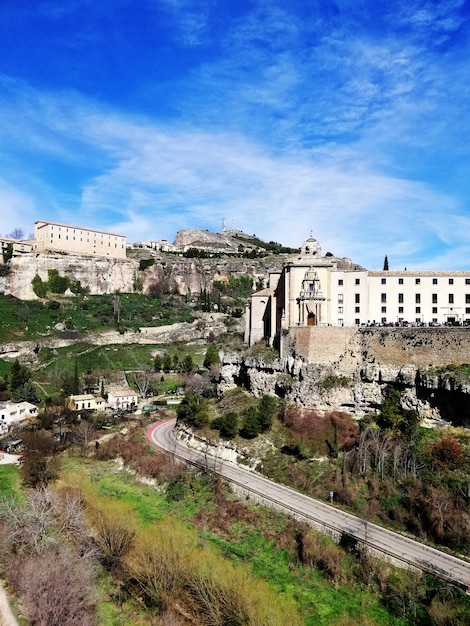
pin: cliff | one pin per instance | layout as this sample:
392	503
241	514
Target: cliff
346	369
99	275
169	272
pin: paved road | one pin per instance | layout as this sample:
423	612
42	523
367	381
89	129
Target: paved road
331	519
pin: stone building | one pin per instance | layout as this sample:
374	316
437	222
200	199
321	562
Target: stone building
316	290
55	237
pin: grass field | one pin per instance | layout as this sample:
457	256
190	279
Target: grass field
320	602
31	320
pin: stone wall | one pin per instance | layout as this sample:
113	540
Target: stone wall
421	347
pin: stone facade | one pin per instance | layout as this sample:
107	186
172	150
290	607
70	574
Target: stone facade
55	237
316	290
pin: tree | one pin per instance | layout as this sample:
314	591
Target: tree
187	364
250	426
167	363
212	356
386	263
16	233
227	425
39	286
40	466
56	588
57	284
266	412
26	393
19	375
143	380
158	363
446	453
83	434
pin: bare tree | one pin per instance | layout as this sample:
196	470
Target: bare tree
56	588
16	233
143	380
84	433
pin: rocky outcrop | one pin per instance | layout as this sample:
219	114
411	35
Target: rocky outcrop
98	275
348	370
168	273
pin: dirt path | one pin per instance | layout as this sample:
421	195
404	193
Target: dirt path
6	616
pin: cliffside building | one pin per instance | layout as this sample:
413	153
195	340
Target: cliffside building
316	290
55	237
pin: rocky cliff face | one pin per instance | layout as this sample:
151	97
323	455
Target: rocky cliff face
99	275
351	373
169	272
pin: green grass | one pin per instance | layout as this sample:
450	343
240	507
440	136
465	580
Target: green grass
55	362
33	319
9	481
319	600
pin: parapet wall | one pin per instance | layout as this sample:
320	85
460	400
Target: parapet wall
394	347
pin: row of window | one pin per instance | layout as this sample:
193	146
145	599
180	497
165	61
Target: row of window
400	281
401	298
400	310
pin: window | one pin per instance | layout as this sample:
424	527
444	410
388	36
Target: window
358	281
434	309
340	297
467	298
467	281
340	310
400	298
357	309
340	281
384	281
357	321
357	298
400	309
418	298
467	310
340	322
400	281
418	309
418	281
451	281
383	297
451	298
384	309
434	281
434	298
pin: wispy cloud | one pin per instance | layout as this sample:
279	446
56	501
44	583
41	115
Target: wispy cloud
347	120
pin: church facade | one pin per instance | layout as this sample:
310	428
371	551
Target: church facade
316	290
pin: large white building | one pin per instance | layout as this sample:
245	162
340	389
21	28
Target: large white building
55	237
15	414
316	290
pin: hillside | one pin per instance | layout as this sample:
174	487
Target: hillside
190	265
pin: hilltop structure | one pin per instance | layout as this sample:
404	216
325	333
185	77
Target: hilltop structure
316	290
55	237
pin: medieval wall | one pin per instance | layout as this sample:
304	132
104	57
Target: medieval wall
421	347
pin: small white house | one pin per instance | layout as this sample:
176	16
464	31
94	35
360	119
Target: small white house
87	402
122	399
16	414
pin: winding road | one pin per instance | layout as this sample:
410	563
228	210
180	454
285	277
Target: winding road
331	519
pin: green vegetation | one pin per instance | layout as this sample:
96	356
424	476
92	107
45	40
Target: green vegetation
31	320
9	481
270	247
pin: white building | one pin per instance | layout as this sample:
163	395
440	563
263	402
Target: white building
13	414
55	237
122	399
86	402
316	290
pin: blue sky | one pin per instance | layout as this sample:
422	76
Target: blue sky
347	119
